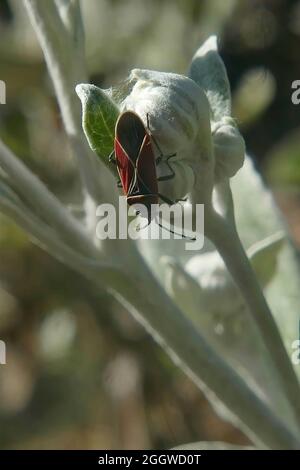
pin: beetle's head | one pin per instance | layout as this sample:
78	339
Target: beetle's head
146	205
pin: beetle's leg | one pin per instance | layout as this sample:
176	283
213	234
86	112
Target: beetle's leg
170	202
172	173
167	177
112	158
148	122
139	228
161	155
177	233
167	200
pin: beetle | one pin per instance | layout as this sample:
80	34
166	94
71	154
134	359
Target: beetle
134	157
136	162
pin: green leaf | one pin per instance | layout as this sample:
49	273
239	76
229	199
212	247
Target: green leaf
99	116
208	71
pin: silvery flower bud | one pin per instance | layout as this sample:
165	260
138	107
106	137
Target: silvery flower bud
174	104
229	148
175	109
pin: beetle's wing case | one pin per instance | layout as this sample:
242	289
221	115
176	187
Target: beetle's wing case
135	160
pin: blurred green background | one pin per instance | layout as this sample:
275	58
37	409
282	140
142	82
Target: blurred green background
80	372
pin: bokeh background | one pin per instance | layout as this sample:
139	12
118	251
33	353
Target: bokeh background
81	373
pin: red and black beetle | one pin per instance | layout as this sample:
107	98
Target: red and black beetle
136	162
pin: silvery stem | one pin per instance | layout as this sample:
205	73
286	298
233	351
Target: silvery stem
45	203
64	54
147	301
225	237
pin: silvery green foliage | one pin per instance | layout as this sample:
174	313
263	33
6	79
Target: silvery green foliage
99	116
229	148
208	70
216	291
202	287
200	283
175	105
216	153
258	217
177	109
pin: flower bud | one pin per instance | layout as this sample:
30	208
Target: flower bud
229	148
176	109
175	106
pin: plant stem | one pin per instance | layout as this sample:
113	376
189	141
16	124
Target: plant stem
45	203
148	302
45	237
64	55
227	242
137	288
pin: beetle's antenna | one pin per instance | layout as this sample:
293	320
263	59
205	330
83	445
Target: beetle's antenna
171	203
182	235
148	122
166	199
139	228
172	172
161	154
153	138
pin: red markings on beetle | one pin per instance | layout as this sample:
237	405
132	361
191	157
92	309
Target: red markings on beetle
136	164
135	160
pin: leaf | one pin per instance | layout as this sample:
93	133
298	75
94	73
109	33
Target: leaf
226	325
208	71
99	116
264	255
257	218
205	292
213	445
